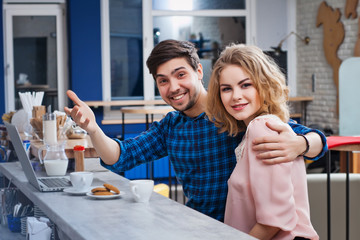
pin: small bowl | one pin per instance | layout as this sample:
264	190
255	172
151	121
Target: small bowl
76	133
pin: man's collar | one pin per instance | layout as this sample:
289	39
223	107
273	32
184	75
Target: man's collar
201	115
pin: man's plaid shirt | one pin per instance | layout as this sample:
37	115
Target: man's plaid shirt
202	158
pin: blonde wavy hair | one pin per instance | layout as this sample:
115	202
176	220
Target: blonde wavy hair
267	78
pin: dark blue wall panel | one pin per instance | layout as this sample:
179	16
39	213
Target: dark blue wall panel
84	31
2	76
85	74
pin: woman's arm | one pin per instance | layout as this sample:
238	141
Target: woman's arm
271	186
263	232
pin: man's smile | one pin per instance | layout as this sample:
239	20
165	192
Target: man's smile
178	96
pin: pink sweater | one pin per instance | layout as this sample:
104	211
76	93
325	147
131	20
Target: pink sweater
274	195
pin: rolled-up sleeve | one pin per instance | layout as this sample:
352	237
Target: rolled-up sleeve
300	129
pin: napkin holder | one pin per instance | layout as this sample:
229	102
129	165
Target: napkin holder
38	229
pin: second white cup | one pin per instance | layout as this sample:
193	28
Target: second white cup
81	181
142	189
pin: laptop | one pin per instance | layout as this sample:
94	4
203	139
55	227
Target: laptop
43	184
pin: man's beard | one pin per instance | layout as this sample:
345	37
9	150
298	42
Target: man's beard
188	106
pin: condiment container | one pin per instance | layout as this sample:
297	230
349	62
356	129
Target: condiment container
79	152
49	128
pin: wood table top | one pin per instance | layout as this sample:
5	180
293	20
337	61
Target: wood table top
147	109
69	147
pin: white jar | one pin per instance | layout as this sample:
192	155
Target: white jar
49	129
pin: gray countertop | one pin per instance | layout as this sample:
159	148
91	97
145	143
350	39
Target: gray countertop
81	217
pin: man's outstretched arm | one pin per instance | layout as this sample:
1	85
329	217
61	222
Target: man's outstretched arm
83	116
287	146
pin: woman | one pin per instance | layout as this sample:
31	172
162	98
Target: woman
247	90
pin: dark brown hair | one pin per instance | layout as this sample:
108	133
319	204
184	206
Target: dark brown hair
170	49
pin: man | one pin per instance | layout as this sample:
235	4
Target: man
202	158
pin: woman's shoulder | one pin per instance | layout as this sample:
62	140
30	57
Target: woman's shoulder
261	120
258	127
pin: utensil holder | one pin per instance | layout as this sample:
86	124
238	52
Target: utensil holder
14	223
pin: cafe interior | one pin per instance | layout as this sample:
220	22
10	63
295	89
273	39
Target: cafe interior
98	49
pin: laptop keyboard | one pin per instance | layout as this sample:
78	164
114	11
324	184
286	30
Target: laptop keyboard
56	182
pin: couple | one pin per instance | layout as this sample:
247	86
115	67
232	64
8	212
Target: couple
203	157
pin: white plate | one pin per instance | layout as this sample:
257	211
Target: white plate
90	194
73	191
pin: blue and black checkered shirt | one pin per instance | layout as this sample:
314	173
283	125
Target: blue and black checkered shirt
202	158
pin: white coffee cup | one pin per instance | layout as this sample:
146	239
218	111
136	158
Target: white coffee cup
142	189
81	181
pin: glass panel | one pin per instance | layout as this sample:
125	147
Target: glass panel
210	34
281	60
35	58
126	49
188	5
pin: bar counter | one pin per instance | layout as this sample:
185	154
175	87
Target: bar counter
80	217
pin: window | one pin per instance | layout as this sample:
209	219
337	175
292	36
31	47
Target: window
35	53
209	34
209	24
126	49
132	28
190	5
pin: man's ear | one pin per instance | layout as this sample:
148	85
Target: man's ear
200	71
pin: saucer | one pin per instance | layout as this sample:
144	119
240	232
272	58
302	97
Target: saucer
91	195
74	191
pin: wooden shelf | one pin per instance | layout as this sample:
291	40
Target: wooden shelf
162	102
127	121
301	99
295	115
124	103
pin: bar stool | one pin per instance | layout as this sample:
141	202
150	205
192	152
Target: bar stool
340	143
162	189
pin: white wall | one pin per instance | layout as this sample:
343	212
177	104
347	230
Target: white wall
271	21
311	60
275	19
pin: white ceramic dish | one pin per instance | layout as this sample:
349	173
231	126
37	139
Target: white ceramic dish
74	191
90	194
